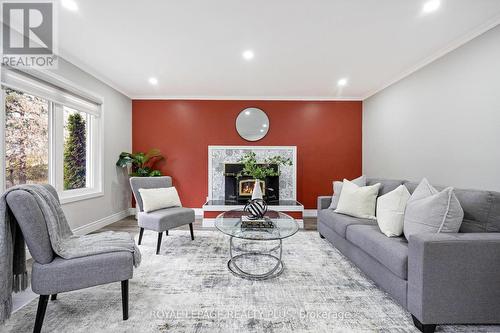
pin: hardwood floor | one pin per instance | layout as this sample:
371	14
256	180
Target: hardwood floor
129	224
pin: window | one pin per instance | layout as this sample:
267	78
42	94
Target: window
76	152
26	139
50	136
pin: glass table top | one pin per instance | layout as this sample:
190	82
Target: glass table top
230	223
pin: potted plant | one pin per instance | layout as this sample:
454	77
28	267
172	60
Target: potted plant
259	171
141	164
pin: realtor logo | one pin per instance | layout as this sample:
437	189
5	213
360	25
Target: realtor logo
28	34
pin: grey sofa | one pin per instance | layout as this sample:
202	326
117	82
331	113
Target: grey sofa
439	278
52	274
160	220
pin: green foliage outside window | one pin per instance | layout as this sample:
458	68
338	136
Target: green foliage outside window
75	153
26	138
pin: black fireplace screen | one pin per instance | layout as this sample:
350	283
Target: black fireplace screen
238	190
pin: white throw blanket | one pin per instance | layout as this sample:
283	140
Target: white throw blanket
64	243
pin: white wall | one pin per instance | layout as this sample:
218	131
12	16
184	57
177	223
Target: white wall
442	122
117	132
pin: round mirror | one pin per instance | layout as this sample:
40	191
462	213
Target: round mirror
252	124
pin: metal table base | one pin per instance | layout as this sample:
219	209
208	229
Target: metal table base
277	269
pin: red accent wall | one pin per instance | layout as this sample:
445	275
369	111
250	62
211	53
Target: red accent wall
327	135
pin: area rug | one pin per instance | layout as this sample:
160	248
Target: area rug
187	288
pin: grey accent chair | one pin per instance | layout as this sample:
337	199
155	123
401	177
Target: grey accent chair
161	220
52	274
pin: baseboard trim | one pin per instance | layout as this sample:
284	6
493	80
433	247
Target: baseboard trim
310	213
101	223
198	212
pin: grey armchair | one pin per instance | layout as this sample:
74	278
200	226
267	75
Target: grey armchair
52	274
160	220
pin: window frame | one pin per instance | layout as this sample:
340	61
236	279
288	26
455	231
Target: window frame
95	142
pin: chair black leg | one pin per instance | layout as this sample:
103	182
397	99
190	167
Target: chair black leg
53	297
40	313
424	328
159	243
140	235
191	230
320	235
125	299
166	232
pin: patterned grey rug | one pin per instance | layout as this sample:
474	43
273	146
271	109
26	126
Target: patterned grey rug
189	289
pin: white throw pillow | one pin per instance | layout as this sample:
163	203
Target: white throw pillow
358	201
158	198
337	189
391	211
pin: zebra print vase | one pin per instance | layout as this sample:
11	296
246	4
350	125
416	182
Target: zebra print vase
256	208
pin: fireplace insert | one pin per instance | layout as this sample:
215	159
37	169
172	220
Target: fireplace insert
238	190
246	186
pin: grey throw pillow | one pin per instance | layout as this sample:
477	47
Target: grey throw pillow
337	188
429	210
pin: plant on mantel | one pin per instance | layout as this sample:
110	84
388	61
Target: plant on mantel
261	170
141	164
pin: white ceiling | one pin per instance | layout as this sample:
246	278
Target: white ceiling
302	47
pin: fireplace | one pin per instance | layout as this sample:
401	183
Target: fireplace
223	165
238	189
246	186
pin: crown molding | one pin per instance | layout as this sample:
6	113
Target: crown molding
248	98
90	71
479	30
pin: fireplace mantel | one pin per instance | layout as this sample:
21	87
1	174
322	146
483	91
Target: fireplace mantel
219	155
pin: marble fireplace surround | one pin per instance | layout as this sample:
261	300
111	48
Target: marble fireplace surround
219	155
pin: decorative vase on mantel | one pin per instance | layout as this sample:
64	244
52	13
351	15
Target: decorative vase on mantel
257	190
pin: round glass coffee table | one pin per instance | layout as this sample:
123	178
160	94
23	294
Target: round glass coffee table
284	226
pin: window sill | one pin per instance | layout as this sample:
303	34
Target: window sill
79	195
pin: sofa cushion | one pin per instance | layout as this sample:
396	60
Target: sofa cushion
337	189
391	211
429	210
493	222
165	219
339	222
481	208
386	185
391	252
358	201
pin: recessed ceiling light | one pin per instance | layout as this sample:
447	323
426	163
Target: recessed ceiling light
153	81
70	5
342	82
248	55
431	6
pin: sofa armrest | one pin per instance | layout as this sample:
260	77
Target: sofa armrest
454	278
324	202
